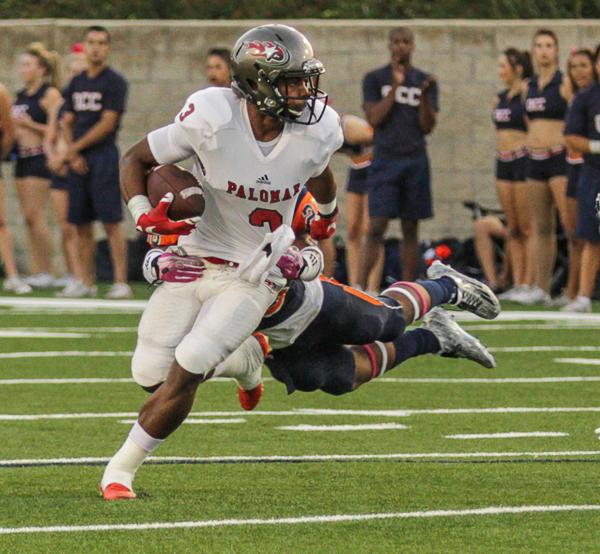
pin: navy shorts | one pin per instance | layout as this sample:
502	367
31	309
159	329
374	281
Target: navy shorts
318	359
513	170
400	188
358	182
573	173
587	190
32	166
59	183
544	170
96	195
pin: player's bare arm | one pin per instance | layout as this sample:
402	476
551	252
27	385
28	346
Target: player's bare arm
8	128
581	144
427	113
323	188
107	124
134	166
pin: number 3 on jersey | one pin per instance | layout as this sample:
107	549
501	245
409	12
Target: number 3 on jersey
261	216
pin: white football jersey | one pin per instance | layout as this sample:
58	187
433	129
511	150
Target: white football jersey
247	194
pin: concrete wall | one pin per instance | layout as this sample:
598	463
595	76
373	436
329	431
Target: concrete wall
163	61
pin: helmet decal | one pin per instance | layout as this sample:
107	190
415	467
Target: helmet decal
272	52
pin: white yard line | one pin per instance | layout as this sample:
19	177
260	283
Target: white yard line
192	421
12	334
512	435
65	381
481	380
315	412
302	520
550	348
131	329
64	354
565	326
26	462
367	427
582	361
77	303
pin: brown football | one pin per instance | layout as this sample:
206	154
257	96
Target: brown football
188	201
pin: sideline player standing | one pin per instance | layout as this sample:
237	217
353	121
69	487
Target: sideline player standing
583	135
94	104
401	103
258	143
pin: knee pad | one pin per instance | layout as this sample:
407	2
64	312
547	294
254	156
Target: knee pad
151	363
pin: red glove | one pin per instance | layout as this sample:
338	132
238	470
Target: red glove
323	226
157	221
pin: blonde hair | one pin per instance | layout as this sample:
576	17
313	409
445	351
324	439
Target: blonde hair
49	60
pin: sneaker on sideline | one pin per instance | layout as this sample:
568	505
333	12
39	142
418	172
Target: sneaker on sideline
535	295
77	289
17	285
40	281
119	291
581	305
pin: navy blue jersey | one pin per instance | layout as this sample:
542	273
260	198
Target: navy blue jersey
87	98
400	134
29	104
548	102
510	112
584	119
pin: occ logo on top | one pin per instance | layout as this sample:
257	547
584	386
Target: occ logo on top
404	95
87	101
272	52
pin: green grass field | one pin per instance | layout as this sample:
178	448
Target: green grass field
231	481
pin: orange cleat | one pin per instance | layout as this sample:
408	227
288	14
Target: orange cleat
249	399
116	491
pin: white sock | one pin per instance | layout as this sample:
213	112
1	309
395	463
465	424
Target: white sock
123	465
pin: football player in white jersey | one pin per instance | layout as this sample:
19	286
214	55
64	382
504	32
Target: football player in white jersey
254	145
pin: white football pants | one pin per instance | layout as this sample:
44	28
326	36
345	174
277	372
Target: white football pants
199	324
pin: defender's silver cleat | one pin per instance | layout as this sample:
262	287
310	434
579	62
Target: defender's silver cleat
455	341
473	296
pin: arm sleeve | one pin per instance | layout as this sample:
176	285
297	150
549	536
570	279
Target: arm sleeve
116	96
170	144
371	89
576	121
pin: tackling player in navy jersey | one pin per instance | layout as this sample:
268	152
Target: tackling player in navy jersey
94	105
583	135
401	103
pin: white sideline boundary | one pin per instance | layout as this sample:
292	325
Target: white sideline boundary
302	520
193	421
27	334
317	412
306	457
404	380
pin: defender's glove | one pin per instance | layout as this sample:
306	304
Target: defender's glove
157	221
323	226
